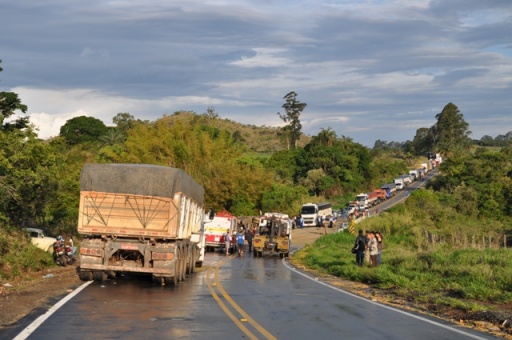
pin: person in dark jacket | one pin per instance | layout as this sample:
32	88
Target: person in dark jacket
360	247
248	238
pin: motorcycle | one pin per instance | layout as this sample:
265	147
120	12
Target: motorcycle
63	254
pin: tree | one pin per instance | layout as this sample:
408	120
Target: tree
293	109
326	137
9	103
452	134
29	180
423	141
124	121
82	129
112	137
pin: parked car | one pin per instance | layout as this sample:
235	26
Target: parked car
40	240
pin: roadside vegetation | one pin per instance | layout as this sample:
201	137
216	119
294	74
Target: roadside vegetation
435	253
19	256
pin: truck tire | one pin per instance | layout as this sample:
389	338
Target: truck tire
85	275
181	273
191	261
99	276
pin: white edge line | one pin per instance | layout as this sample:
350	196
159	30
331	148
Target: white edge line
37	322
435	323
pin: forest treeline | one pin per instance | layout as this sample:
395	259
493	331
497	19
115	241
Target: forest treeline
39	179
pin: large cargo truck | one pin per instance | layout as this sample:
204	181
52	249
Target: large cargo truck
216	229
369	199
415	174
311	211
142	219
390	189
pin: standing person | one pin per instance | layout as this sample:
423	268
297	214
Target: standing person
227	241
359	247
380	246
248	237
240	240
367	250
325	223
372	247
301	222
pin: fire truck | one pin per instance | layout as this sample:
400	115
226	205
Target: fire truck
215	229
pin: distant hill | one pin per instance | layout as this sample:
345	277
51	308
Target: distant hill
260	139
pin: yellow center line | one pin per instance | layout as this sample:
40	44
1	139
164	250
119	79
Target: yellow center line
233	304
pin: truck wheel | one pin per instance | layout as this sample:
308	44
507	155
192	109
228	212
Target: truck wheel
181	276
173	281
193	261
99	276
85	275
157	280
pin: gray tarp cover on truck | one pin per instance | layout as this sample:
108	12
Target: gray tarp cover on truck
139	179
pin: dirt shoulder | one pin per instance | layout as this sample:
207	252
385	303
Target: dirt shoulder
41	289
20	297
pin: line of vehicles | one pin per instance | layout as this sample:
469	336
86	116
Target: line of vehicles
364	201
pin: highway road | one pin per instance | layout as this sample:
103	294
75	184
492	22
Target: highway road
232	298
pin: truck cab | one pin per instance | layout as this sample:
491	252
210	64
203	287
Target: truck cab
399	183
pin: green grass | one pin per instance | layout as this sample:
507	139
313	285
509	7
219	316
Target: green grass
461	278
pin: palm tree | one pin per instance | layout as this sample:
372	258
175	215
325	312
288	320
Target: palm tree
326	137
112	137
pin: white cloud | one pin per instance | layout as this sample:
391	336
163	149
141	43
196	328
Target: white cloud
264	57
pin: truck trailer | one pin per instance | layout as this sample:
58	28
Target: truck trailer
142	219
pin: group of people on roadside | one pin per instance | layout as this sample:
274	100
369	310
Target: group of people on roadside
368	248
237	241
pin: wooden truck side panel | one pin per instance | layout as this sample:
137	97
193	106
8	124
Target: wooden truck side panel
128	215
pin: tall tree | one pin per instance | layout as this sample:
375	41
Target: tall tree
82	129
9	103
124	121
423	141
293	108
452	134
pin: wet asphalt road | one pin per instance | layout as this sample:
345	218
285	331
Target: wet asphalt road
235	298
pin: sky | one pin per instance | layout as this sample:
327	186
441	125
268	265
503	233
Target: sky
367	69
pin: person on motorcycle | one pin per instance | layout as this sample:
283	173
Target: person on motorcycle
69	242
58	246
